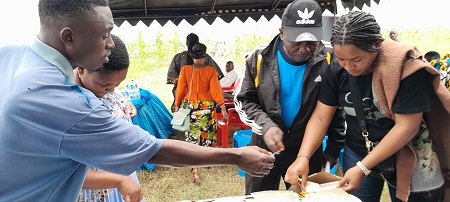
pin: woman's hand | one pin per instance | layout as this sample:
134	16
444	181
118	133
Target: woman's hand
175	108
298	169
352	179
224	113
132	109
130	190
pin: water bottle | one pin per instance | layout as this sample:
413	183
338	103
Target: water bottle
126	94
133	88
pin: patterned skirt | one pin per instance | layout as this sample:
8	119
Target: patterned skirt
203	128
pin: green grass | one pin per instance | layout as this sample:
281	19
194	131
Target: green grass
175	184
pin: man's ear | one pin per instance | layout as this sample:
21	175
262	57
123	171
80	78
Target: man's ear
281	33
66	36
80	71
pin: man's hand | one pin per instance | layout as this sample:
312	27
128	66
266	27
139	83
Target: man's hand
130	190
255	161
274	139
298	169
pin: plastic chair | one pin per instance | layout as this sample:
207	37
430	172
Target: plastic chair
233	121
232	88
229	89
228	94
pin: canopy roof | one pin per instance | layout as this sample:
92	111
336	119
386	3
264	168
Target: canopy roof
192	11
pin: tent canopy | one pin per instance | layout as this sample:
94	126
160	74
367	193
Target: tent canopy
192	11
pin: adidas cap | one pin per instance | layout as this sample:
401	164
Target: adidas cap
302	21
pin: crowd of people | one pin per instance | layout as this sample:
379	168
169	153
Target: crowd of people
382	101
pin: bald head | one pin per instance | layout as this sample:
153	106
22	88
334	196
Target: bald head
393	34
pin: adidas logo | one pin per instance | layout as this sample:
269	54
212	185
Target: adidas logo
307	37
318	79
305	17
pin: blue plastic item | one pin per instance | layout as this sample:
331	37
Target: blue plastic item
324	145
152	116
242	139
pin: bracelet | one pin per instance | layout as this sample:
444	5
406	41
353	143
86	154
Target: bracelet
301	155
363	168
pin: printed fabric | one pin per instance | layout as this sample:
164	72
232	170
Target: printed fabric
443	67
203	128
427	173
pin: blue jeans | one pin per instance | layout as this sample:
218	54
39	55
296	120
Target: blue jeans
371	187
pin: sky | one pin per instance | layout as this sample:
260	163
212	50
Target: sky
20	22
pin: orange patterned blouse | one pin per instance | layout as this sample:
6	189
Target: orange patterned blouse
205	85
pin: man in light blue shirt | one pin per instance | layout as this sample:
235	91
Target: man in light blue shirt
52	129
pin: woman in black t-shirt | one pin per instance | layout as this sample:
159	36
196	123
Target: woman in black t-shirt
369	161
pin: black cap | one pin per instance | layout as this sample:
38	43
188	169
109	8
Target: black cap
302	21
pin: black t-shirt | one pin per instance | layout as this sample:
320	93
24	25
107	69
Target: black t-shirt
412	97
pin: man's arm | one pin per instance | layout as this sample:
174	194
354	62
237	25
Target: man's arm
175	153
247	102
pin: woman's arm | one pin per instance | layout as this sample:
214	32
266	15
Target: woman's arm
217	94
182	85
315	132
405	128
127	187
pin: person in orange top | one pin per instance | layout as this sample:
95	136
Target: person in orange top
199	89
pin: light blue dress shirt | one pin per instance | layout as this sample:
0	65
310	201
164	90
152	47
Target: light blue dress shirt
50	129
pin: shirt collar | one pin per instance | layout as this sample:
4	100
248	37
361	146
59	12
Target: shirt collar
54	57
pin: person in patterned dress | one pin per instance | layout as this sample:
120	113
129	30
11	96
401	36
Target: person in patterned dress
181	59
199	90
100	185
